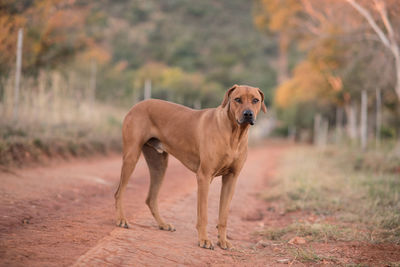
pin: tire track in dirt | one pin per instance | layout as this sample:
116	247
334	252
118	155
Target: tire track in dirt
69	213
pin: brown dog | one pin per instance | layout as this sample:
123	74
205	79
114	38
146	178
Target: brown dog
210	142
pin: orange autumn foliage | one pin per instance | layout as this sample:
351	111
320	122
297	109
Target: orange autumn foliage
309	83
277	15
53	31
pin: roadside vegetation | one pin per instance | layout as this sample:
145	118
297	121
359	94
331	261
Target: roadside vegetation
59	129
335	194
355	195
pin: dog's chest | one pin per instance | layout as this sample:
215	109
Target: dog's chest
227	161
223	171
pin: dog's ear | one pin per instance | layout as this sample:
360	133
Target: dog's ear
227	94
263	107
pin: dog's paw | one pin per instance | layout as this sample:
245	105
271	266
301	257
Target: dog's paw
224	244
123	223
205	243
167	227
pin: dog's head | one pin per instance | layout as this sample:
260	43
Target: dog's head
244	102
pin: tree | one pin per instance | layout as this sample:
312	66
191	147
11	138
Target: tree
386	34
282	18
54	32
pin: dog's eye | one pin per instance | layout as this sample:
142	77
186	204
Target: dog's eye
255	101
238	100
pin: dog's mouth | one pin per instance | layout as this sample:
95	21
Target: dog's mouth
243	121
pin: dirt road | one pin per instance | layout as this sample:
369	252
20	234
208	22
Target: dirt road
63	214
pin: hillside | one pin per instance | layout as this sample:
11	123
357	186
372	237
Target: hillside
215	38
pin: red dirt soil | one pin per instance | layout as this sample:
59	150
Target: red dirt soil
63	214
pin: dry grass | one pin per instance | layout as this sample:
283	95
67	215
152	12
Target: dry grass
356	189
308	255
310	231
55	120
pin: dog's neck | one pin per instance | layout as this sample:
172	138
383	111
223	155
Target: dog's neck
239	131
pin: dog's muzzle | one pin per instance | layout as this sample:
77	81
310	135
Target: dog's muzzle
247	117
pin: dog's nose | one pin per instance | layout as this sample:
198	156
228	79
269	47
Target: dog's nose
248	114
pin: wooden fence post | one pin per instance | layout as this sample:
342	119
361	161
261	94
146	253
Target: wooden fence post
317	128
197	103
378	117
92	82
147	89
339	124
351	114
363	120
18	73
324	133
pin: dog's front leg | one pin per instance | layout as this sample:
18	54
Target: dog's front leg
227	189
203	184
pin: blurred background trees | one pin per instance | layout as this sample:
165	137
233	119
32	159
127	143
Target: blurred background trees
89	61
337	50
199	48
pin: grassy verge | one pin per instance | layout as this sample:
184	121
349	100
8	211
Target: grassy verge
27	142
355	195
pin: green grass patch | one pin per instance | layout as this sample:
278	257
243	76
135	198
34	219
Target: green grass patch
308	255
310	231
356	188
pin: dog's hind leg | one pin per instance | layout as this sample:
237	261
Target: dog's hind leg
157	160
130	158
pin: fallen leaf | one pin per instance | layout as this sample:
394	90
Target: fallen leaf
297	240
262	243
283	261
